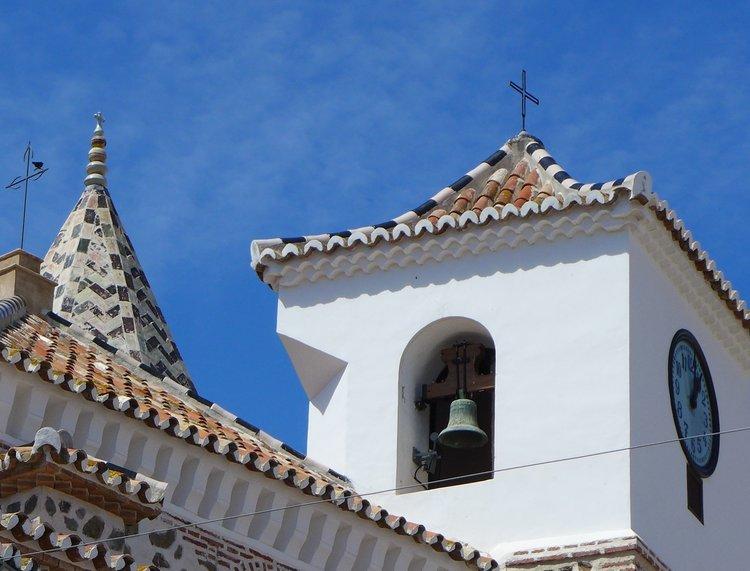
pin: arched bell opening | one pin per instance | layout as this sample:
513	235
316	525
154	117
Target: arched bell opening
446	406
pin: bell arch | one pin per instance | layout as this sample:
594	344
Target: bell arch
433	354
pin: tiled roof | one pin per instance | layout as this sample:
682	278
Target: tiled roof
25	529
56	355
48	462
101	285
518	179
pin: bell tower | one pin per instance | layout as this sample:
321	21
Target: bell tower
484	354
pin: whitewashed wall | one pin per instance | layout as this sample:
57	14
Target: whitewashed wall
204	485
659	504
558	316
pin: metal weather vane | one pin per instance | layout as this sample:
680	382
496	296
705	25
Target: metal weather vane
524	96
16	183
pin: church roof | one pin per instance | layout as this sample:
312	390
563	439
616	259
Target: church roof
101	284
519	179
519	182
49	462
59	353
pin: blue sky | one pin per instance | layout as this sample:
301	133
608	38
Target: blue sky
233	121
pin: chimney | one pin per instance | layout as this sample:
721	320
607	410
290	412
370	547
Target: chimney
19	276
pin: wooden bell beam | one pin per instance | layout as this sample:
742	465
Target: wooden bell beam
453	359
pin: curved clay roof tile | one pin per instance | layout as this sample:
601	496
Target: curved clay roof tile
461	204
524	193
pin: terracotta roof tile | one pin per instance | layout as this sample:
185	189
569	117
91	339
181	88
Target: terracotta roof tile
514	181
524	193
486	198
462	202
118	388
545	192
436	214
132	496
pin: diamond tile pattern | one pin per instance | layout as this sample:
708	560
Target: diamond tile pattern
101	285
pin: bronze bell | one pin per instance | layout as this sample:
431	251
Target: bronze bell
463	430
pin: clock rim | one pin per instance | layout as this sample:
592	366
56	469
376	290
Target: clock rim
708	469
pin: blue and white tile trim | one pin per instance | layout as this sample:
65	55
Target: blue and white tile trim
546	162
523	146
412	215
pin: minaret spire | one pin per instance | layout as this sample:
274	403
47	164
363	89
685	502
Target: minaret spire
96	170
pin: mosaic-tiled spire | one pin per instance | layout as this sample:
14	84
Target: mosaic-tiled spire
101	285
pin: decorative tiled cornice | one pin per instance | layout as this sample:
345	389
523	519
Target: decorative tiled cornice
702	261
519	175
69	546
49	448
692	272
430	240
39	348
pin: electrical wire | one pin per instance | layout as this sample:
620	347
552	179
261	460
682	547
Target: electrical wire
423	484
396	489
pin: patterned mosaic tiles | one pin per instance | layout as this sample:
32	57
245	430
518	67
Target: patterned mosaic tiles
41	536
101	284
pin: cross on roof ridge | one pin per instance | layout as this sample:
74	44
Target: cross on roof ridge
524	96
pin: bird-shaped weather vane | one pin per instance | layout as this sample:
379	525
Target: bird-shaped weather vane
16	183
524	96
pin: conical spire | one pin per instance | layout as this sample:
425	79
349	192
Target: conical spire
101	285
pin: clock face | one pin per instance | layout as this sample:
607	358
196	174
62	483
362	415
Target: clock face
694	409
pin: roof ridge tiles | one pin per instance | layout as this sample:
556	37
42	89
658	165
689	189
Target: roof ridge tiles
124	359
146	489
519	154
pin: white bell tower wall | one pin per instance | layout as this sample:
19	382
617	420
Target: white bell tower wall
558	315
668	294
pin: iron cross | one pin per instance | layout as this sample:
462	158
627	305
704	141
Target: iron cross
39	170
524	96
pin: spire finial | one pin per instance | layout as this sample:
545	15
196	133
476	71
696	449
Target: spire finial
99	122
96	170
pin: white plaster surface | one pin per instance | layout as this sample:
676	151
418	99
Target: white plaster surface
558	316
203	484
658	487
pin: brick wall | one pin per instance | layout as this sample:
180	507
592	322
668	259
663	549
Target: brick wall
197	549
621	554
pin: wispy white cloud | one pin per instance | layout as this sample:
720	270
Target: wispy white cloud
228	122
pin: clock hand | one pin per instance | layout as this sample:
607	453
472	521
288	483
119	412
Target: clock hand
695	389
